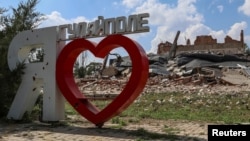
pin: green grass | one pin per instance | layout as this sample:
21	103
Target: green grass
225	108
220	108
69	110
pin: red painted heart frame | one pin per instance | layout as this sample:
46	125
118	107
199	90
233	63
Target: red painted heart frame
68	87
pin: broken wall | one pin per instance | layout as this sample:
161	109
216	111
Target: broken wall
206	43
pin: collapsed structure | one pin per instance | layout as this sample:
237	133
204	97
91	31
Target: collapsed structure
206	43
205	64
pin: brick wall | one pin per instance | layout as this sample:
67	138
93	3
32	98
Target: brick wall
206	43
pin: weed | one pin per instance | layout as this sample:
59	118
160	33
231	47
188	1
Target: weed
133	120
119	121
225	108
69	110
210	107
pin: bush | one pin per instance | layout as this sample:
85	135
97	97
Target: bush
24	17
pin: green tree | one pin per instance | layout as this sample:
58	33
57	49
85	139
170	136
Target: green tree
81	72
247	50
24	17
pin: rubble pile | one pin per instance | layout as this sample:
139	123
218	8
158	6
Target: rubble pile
200	73
101	88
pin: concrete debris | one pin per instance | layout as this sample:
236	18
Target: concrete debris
205	67
234	77
196	74
110	71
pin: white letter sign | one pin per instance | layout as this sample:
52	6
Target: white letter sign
41	76
37	76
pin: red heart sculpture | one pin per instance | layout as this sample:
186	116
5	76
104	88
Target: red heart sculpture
68	87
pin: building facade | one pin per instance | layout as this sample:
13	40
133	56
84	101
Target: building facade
206	43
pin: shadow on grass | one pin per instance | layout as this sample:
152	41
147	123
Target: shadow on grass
107	132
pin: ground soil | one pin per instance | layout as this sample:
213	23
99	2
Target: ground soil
76	128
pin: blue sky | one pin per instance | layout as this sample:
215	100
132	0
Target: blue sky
192	17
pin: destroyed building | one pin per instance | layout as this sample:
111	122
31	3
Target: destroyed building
206	66
206	43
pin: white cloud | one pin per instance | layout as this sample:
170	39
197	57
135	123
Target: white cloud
219	35
55	19
220	8
192	31
201	29
235	29
165	20
131	3
170	18
245	8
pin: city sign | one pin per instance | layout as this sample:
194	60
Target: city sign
54	76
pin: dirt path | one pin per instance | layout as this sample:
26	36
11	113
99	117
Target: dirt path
76	128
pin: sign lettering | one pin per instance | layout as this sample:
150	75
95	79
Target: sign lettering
55	74
103	27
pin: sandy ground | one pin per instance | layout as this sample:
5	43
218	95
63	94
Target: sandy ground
77	128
